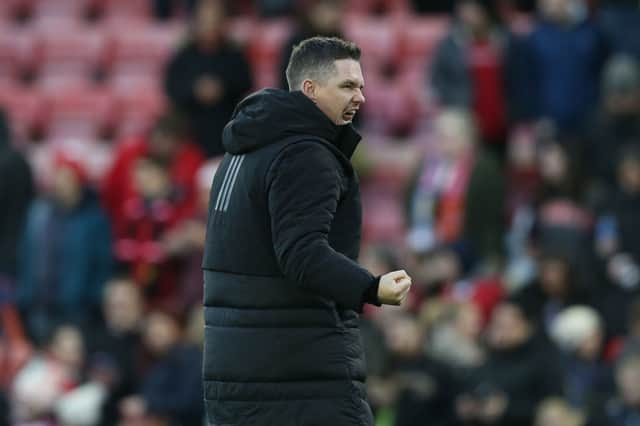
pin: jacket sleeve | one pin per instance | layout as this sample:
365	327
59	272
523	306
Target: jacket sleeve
303	189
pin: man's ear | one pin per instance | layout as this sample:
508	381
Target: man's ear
309	89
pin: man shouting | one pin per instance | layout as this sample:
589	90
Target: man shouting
282	286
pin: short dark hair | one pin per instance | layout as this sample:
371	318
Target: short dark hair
313	58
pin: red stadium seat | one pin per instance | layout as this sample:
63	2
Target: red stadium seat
265	49
393	164
368	7
377	38
95	155
241	30
25	108
10	10
420	37
132	81
85	114
143	50
66	60
393	106
137	110
16	52
125	11
266	76
7	12
383	220
60	10
376	92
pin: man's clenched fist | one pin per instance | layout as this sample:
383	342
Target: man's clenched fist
394	287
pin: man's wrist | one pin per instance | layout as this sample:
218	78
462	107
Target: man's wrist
371	293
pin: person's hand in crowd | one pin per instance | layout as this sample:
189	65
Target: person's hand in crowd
493	408
467	408
208	90
394	287
133	407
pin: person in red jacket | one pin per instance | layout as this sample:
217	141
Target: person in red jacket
149	190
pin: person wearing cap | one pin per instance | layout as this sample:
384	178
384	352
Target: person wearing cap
578	331
65	257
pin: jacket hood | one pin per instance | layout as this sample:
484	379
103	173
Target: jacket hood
271	115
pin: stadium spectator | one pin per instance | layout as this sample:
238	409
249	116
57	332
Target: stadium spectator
454	335
65	255
619	22
617	228
567	53
557	412
617	123
48	377
147	219
172	388
447	273
208	76
423	387
523	190
315	17
522	171
519	373
587	378
150	189
617	246
16	192
624	407
556	288
167	145
563	222
456	195
117	344
468	71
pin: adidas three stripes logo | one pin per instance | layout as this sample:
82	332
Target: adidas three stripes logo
222	202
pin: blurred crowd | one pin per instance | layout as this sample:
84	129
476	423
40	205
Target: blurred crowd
500	166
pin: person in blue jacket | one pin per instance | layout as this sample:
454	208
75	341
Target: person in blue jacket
64	257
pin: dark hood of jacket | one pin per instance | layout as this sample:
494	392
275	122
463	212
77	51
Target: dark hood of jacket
271	115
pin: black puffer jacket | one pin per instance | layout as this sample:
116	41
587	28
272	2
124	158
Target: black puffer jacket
282	345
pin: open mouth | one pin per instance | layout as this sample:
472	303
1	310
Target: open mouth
348	115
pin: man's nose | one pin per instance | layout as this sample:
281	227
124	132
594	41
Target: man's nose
359	97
